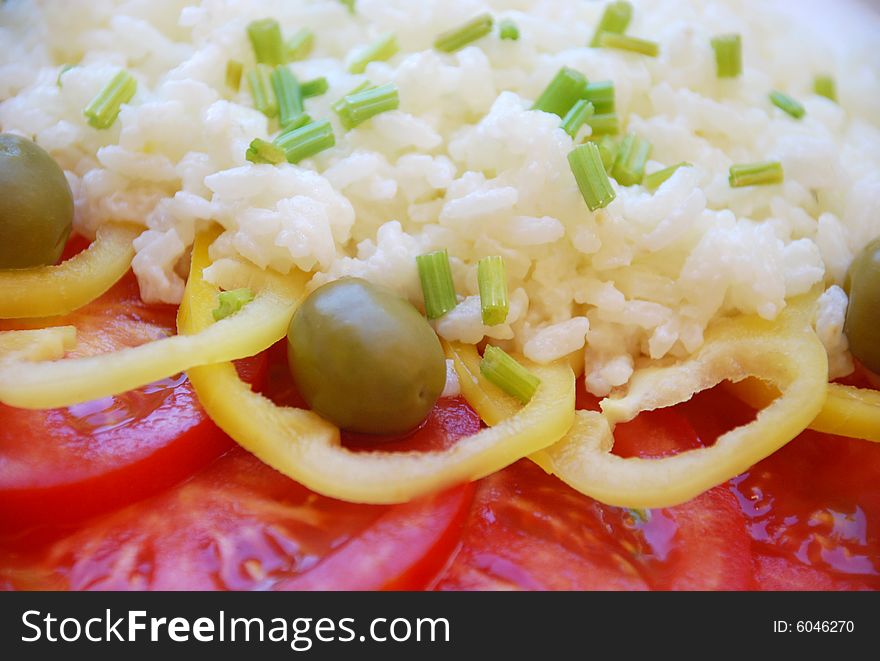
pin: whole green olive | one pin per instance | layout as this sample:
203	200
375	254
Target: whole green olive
364	358
862	325
36	205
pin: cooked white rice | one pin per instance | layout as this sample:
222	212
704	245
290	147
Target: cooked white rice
464	164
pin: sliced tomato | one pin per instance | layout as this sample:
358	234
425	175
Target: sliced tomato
69	463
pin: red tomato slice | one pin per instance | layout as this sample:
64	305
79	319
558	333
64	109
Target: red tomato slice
70	463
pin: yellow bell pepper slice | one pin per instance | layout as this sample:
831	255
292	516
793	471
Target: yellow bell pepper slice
306	448
40	344
46	291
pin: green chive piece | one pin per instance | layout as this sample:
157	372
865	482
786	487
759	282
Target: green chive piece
589	172
435	274
349	4
503	370
261	151
787	104
604	124
298	122
507	29
823	85
231	302
300	45
306	140
315	87
265	36
577	117
234	69
608	147
288	94
728	55
103	110
64	70
756	174
654	180
384	48
629	165
562	93
627	43
493	290
457	38
260	83
339	105
601	95
615	19
358	108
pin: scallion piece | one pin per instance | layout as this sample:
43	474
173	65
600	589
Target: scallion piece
787	104
435	274
627	43
298	122
349	5
756	174
234	69
103	110
358	108
589	172
507	29
288	94
492	281
514	379
384	48
457	38
265	36
601	95
261	151
306	141
315	87
608	150
654	180
562	93
824	85
728	55
604	124
231	302
300	45
629	164
260	83
340	104
577	117
615	19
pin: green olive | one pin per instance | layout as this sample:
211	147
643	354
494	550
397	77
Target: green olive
36	205
862	326
364	358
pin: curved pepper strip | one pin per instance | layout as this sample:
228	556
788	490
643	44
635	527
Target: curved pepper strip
306	448
40	344
786	353
47	291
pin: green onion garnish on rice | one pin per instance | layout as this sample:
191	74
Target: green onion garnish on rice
654	180
260	83
615	19
288	94
300	45
756	174
589	172
601	95
608	146
261	151
435	274
604	124
234	70
103	110
230	302
265	36
577	117
824	85
503	370
787	104
627	43
492	282
384	48
349	4
507	29
315	87
306	141
358	108
340	104
632	156
457	38
562	93
728	55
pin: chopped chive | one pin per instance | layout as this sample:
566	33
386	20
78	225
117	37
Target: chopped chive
349	4
604	124
589	172
234	69
384	48
823	85
608	151
577	117
654	180
265	36
629	164
787	104
299	45
288	94
728	55
298	122
340	104
615	19
601	95
260	83
627	43
315	87
435	274
103	110
231	302
358	108
507	29
756	174
493	290
457	38
562	92
261	151
514	379
305	141
64	70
